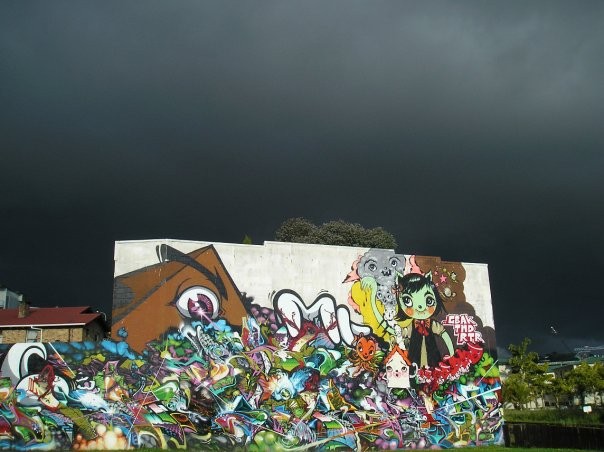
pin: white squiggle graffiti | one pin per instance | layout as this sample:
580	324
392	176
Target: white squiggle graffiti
323	312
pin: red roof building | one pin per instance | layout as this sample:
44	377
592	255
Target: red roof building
66	324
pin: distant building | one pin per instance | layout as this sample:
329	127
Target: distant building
587	351
67	324
8	298
557	369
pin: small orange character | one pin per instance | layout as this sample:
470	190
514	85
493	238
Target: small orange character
365	356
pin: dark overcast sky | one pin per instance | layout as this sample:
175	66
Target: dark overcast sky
470	130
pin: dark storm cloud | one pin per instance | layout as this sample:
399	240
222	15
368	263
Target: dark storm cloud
470	130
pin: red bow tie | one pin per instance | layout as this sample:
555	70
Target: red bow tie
423	327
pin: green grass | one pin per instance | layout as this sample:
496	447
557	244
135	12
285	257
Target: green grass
522	449
469	449
569	417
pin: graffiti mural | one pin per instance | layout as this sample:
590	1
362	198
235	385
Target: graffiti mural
398	365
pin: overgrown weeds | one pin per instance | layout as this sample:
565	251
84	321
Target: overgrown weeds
567	417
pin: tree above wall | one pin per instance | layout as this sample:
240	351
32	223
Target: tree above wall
338	232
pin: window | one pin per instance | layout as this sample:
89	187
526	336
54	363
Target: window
32	336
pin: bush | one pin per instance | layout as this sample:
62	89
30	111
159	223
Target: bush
567	417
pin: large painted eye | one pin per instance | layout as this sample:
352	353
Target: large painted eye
198	303
394	261
407	300
371	266
430	301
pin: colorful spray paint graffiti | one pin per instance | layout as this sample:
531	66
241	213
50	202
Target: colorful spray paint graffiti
379	372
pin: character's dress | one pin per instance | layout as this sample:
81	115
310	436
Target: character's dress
422	346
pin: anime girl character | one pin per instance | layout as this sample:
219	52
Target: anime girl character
420	302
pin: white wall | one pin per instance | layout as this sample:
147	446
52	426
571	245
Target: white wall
9	299
260	270
478	291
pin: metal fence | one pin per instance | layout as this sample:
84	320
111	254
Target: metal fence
519	434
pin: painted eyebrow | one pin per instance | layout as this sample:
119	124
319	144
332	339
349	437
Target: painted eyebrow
168	253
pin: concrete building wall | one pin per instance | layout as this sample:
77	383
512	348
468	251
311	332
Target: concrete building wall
13	335
294	297
92	332
9	299
260	270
